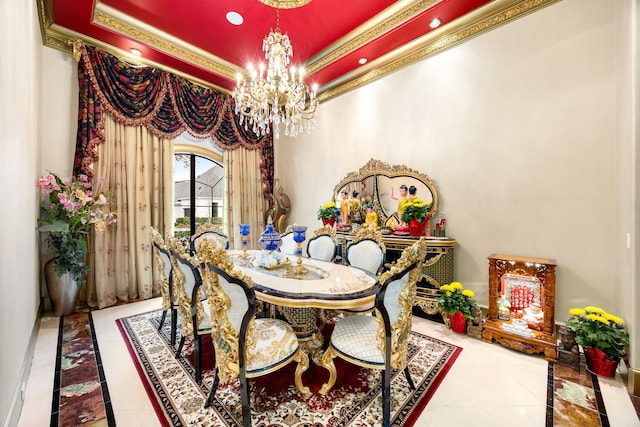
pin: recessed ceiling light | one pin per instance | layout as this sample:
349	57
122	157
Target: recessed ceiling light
435	23
362	61
235	18
135	51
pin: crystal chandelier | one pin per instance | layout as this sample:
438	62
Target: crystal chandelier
281	97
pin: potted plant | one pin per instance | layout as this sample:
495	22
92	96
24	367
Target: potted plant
327	213
603	337
70	211
415	214
456	304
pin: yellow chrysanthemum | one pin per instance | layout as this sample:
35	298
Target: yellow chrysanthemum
448	293
597	318
445	288
468	293
455	285
329	205
592	309
577	312
613	318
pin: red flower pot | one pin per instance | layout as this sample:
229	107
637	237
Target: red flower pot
328	221
458	323
416	228
598	363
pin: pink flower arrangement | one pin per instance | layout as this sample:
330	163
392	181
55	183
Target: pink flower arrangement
71	208
71	205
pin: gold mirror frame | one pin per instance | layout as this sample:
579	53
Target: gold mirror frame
374	181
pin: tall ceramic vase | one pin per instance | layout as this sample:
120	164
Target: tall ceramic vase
63	290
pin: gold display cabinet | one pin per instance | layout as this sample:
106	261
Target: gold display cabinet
437	267
522	304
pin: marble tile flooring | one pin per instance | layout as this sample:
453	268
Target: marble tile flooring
488	385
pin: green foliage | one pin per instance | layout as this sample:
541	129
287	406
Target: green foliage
455	298
71	210
71	250
184	221
594	327
327	211
417	209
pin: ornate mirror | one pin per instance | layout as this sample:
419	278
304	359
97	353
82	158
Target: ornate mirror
376	182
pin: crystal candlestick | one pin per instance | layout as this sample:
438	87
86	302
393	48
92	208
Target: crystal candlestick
299	237
245	231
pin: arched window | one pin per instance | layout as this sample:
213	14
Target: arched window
198	184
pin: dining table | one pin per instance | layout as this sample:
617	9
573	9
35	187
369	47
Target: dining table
301	288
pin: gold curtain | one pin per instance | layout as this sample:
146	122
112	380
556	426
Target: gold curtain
137	168
243	196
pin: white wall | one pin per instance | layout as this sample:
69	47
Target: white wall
517	128
20	86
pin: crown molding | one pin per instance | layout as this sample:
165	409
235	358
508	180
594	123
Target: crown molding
486	18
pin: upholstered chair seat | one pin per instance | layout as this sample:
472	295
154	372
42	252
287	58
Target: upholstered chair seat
352	336
276	341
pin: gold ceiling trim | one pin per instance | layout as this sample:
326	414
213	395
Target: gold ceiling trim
494	14
63	39
382	23
488	17
285	4
123	24
49	37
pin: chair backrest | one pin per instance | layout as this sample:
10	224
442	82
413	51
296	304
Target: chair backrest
233	307
394	302
289	246
189	291
322	246
367	250
211	232
165	268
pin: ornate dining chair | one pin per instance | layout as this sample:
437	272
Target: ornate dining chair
209	231
194	310
165	265
381	342
323	246
245	346
366	252
289	246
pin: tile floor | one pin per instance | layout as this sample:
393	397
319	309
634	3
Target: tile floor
488	385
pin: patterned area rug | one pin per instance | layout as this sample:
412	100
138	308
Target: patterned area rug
355	400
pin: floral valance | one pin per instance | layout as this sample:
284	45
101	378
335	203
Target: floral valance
165	104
